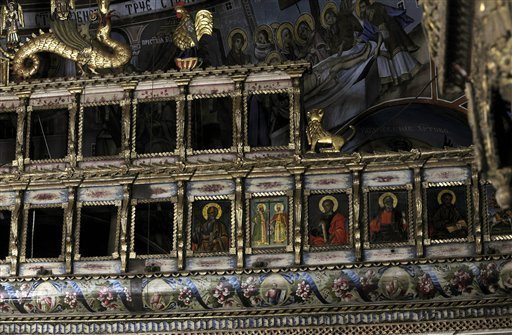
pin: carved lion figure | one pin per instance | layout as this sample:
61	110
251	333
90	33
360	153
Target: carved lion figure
316	134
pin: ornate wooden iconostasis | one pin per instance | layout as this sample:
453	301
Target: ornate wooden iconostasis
240	166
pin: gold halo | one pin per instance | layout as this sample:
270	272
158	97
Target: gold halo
279	33
443	192
308	19
278	204
328	197
358	8
262	205
233	32
267	29
328	6
273	57
388	194
212	204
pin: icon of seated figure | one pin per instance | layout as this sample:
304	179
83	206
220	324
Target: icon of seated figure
447	222
389	225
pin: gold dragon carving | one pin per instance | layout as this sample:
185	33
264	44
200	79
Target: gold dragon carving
102	53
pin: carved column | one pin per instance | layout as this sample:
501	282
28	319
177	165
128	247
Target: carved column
73	108
22	110
238	115
477	224
239	216
356	190
418	208
68	226
297	215
123	247
239	224
181	123
126	105
295	122
180	218
13	240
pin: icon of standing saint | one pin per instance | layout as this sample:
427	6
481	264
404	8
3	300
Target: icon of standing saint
269	222
328	224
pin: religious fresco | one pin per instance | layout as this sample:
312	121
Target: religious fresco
362	52
405	125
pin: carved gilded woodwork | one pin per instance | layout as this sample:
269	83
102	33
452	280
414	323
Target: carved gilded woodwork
418	210
28	221
188	292
173	227
85	56
491	70
187	34
202	25
489	44
115	253
316	134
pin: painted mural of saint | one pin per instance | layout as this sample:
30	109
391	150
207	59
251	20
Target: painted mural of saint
312	46
237	40
380	22
329	21
286	42
263	42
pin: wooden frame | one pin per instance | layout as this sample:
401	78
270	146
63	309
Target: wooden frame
408	214
174	227
7	259
136	101
466	185
80	205
485	198
349	216
80	156
30	111
14	111
23	254
232	225
190	100
250	198
291	139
